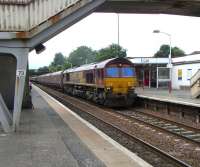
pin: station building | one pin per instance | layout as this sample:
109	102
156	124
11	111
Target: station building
146	70
182	71
184	68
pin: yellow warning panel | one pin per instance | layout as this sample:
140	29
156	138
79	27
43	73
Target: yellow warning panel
180	73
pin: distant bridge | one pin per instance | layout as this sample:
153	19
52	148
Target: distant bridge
25	24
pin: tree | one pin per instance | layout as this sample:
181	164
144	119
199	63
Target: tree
165	49
82	55
56	68
40	71
52	68
59	59
111	51
58	63
43	70
33	72
67	64
177	52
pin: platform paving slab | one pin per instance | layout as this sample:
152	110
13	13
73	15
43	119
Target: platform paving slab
44	140
49	136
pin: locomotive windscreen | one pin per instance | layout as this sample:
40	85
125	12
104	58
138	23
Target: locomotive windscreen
128	72
114	72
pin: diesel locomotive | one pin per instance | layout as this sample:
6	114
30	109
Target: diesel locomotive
111	82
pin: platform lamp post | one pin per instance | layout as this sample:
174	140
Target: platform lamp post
118	28
118	31
169	65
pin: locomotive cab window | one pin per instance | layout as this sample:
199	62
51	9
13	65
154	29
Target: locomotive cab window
99	73
127	72
112	72
89	78
67	76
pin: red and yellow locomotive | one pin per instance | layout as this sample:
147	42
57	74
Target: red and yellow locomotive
111	82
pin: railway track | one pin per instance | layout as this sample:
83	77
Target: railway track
177	129
117	124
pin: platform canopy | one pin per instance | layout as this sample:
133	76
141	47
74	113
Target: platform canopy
28	19
26	24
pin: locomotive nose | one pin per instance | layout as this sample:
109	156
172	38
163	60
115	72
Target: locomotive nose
119	85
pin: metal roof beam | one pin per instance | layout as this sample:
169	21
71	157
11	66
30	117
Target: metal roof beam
65	23
176	7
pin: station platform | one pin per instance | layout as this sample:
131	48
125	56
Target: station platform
176	96
51	135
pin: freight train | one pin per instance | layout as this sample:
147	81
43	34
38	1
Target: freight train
111	82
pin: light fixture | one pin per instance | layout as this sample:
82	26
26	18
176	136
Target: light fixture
156	31
39	48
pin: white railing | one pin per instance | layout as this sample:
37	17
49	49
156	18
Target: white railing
24	15
195	78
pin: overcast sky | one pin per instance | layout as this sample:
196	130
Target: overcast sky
100	30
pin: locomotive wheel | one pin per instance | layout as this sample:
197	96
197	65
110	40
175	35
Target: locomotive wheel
101	98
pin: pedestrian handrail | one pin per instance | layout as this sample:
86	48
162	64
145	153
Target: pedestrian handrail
195	78
5	116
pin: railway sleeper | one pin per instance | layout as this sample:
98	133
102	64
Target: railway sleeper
178	130
187	133
171	127
167	124
159	123
193	136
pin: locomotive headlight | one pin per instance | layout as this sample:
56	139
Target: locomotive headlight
109	88
131	87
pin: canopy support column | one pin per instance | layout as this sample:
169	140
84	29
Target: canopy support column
22	60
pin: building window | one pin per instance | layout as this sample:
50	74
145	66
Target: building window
189	74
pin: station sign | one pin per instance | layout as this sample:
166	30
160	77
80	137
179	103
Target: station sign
144	60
